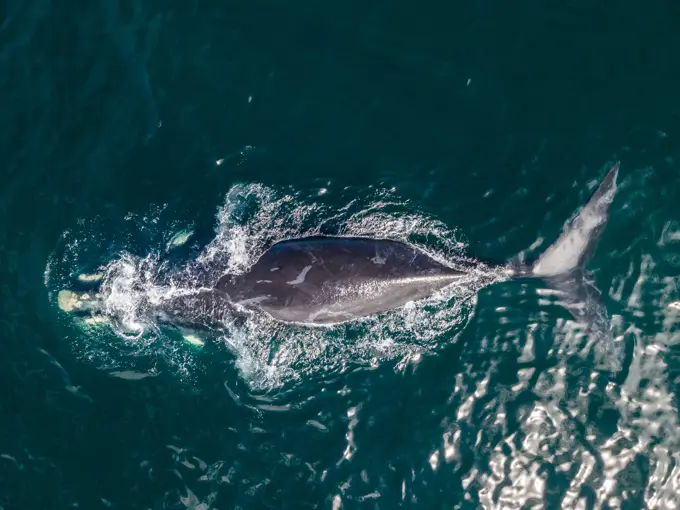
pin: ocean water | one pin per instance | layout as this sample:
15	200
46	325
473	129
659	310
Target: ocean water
140	137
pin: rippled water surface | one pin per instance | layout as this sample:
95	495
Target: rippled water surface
145	138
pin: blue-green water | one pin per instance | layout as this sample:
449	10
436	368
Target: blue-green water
473	129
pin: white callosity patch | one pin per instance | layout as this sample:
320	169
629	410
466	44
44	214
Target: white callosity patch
90	278
179	239
68	300
193	340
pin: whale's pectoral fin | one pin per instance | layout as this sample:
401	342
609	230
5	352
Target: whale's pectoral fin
563	265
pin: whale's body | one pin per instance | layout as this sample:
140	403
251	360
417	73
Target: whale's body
334	279
322	280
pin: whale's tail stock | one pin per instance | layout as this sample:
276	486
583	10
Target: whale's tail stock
562	266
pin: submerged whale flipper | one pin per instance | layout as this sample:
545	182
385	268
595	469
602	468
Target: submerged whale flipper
563	265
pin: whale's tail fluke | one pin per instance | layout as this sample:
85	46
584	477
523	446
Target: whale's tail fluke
574	247
563	265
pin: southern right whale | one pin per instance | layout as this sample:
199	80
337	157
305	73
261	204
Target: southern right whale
323	280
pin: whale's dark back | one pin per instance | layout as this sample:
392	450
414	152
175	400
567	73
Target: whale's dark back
330	279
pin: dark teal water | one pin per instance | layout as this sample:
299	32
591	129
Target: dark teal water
473	128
